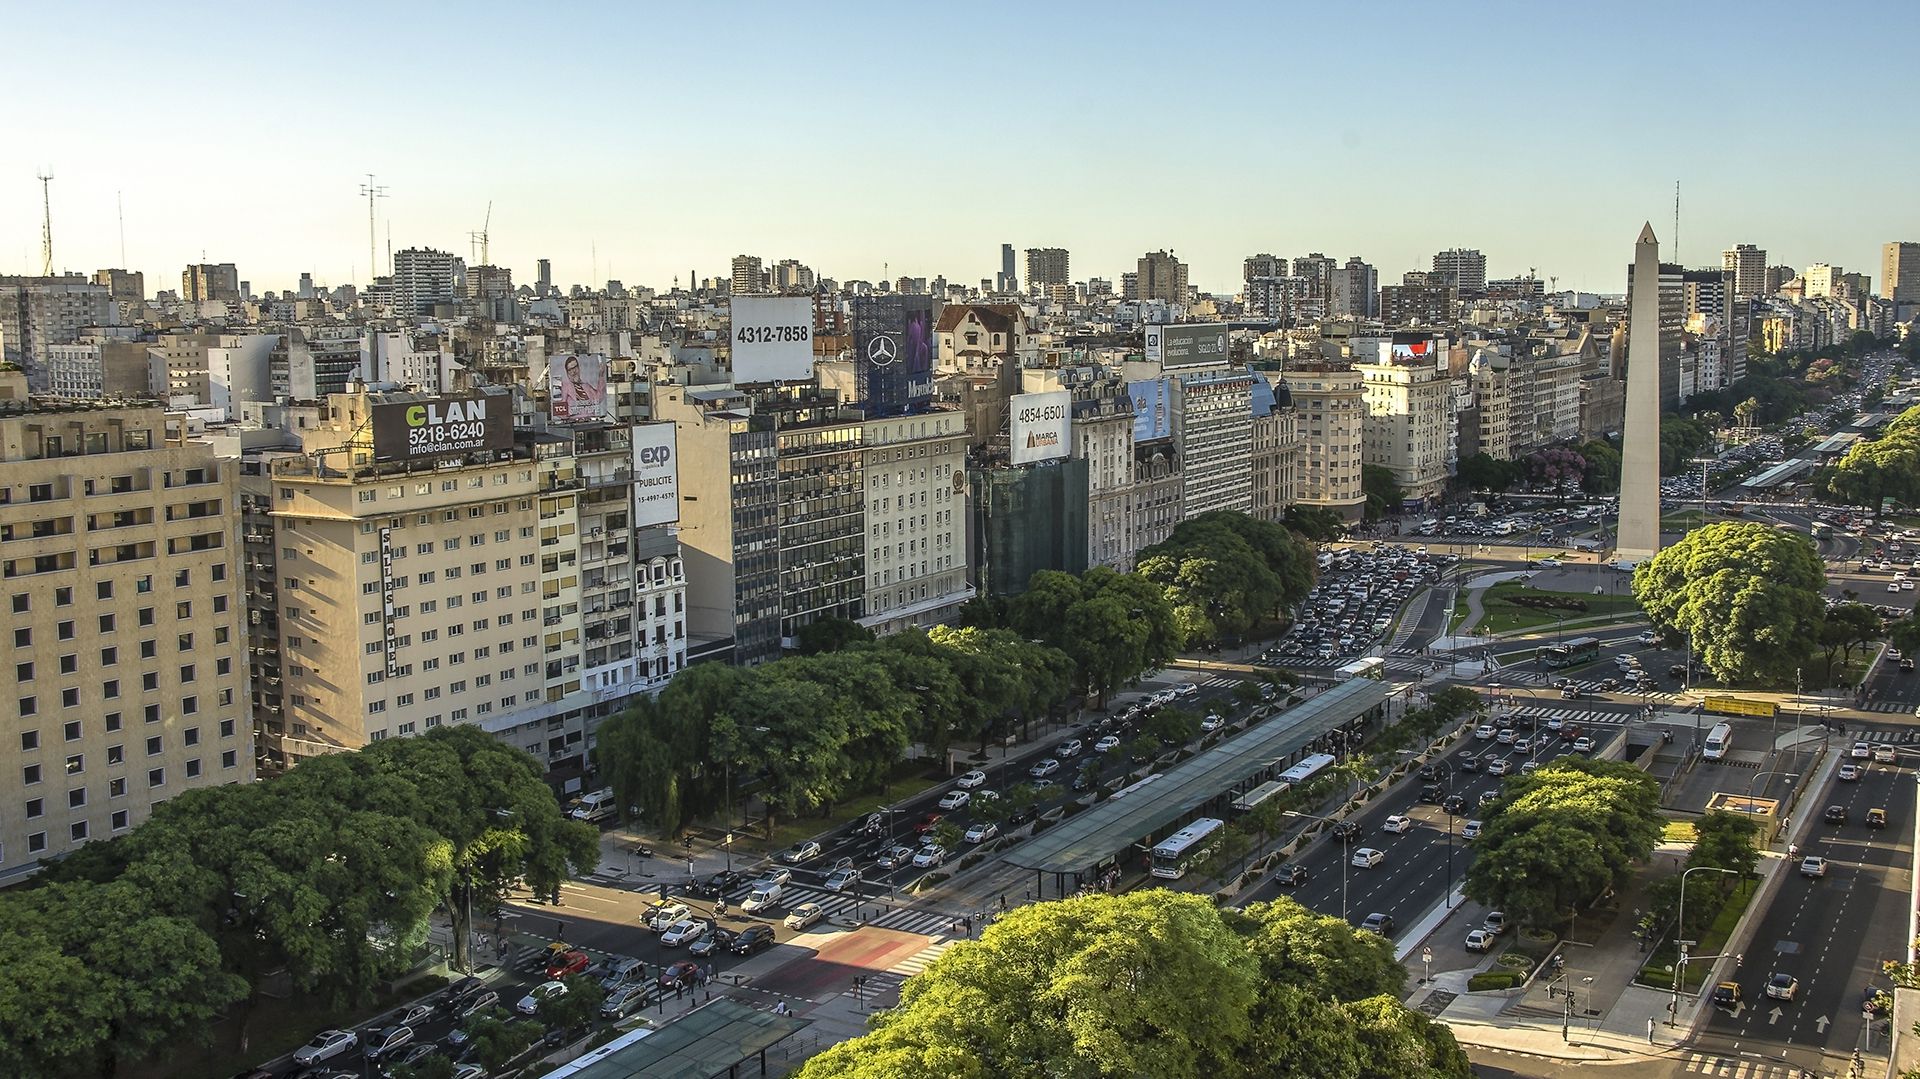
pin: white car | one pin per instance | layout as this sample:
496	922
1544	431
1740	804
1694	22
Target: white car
1648	637
530	1003
763	897
928	857
894	857
1861	751
1507	736
802	851
1397	824
955	800
325	1046
805	915
1368	857
1499	766
1107	744
1885	754
1583	744
663	917
971	780
778	874
684	931
982	832
1044	768
1484	732
841	880
1185	689
1471	830
1213	722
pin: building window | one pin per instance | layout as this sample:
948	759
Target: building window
156	777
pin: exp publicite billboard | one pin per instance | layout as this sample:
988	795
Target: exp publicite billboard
656	475
442	426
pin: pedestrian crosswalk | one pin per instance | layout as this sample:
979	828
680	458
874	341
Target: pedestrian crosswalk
880	912
1737	1067
1582	716
1895	707
921	959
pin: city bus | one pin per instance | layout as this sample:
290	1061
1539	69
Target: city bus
1306	769
1179	852
1822	530
1719	740
1572	653
1252	800
1370	667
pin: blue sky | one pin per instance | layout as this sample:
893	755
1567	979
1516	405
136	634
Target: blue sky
856	136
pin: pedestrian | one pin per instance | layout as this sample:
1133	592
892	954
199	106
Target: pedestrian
709	971
1649	1030
1003	904
559	930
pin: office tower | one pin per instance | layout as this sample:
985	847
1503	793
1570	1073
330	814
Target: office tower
1420	299
39	312
543	277
1317	271
128	632
423	277
1006	280
206	281
1638	535
746	274
1267	288
1900	274
1160	276
1749	266
1464	269
1047	266
124	286
790	275
1817	280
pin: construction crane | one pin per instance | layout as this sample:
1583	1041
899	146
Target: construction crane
481	238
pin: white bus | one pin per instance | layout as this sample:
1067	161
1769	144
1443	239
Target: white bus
1251	800
1307	769
1719	740
1366	667
1177	853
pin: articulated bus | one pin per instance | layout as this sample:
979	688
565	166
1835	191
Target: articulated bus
1307	769
1179	852
1252	800
1571	654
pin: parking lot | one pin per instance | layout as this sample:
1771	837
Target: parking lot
1354	603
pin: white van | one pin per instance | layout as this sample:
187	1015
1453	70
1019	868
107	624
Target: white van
595	806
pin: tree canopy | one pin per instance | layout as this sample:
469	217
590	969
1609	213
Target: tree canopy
1225	572
1749	597
1113	625
1563	835
1885	467
1154	983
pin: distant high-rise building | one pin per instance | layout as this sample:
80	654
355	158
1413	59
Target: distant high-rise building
1774	278
1671	308
423	277
1129	285
1464	268
1817	280
1318	271
1268	289
1900	274
1356	290
1047	266
124	286
1420	299
1007	280
39	312
790	275
210	281
1160	276
1749	266
543	277
746	274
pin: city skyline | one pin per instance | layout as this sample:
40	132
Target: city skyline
644	170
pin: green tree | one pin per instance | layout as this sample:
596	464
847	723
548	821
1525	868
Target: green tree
436	1066
574	1009
1726	841
1316	524
1749	597
1565	834
1485	472
1384	493
1113	625
830	635
1318	952
1681	440
496	1040
1845	627
1224	572
1602	474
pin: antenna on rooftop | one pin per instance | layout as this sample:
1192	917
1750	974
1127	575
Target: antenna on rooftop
372	191
46	224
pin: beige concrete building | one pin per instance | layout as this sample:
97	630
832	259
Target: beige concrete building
1900	274
1405	431
98	369
1277	450
916	510
39	312
1332	410
120	561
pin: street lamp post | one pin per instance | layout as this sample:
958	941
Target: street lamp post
1346	859
1680	942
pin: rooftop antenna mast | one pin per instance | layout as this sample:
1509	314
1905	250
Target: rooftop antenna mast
372	191
481	237
1676	222
46	224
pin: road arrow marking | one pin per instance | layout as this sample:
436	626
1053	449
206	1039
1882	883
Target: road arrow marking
1774	1015
1820	1024
1738	1007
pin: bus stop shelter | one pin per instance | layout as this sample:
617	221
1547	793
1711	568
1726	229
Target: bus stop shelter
1080	847
721	1038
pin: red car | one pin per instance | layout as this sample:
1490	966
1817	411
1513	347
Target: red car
568	963
928	823
681	973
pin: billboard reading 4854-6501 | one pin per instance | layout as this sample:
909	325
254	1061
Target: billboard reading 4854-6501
442	426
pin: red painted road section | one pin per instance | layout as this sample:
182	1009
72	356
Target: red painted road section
832	969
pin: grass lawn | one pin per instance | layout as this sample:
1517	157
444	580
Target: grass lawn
1678	831
1504	616
1658	971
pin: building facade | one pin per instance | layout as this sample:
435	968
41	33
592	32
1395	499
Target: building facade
914	470
1749	266
1332	416
1406	429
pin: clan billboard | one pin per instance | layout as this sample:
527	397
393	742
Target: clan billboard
1152	409
772	338
656	475
442	426
1040	425
1187	344
893	349
577	388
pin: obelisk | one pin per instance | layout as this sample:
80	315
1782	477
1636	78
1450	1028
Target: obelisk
1638	535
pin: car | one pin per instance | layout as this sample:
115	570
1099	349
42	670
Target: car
1485	732
804	916
1782	986
1470	830
930	856
1023	815
1813	866
1506	736
802	851
1849	772
1368	858
1212	722
842	879
662	917
1185	689
1523	745
927	824
1861	751
1072	747
1678	670
1496	922
683	932
1432	794
1727	994
752	939
1499	766
680	973
469	1071
1648	637
1479	940
325	1046
455	995
621	971
1885	754
716	940
1431	772
1906	664
1835	815
955	800
1107	744
1876	818
1377	923
722	882
1583	744
530	1003
1042	784
484	1000
971	780
1893	586
894	857
1346	831
411	1057
1486	799
774	875
567	963
870	825
624	1001
1467	762
1529	768
1547	563
1455	804
982	832
1397	824
386	1040
1044	768
412	1016
1570	693
1292	874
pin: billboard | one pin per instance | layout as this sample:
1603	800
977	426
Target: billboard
656	475
440	426
1187	344
772	338
1409	350
1739	706
893	348
1041	425
577	388
1152	409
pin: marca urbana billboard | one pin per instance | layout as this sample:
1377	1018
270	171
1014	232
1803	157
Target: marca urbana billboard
1040	426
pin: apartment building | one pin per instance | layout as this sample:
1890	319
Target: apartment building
1332	408
1277	446
1047	267
1462	269
1406	429
1159	275
119	556
97	369
424	277
1749	266
37	313
1213	427
1900	276
209	281
914	470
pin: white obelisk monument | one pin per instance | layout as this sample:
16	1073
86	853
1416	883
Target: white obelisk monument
1638	536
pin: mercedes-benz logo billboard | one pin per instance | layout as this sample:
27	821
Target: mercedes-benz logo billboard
881	351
